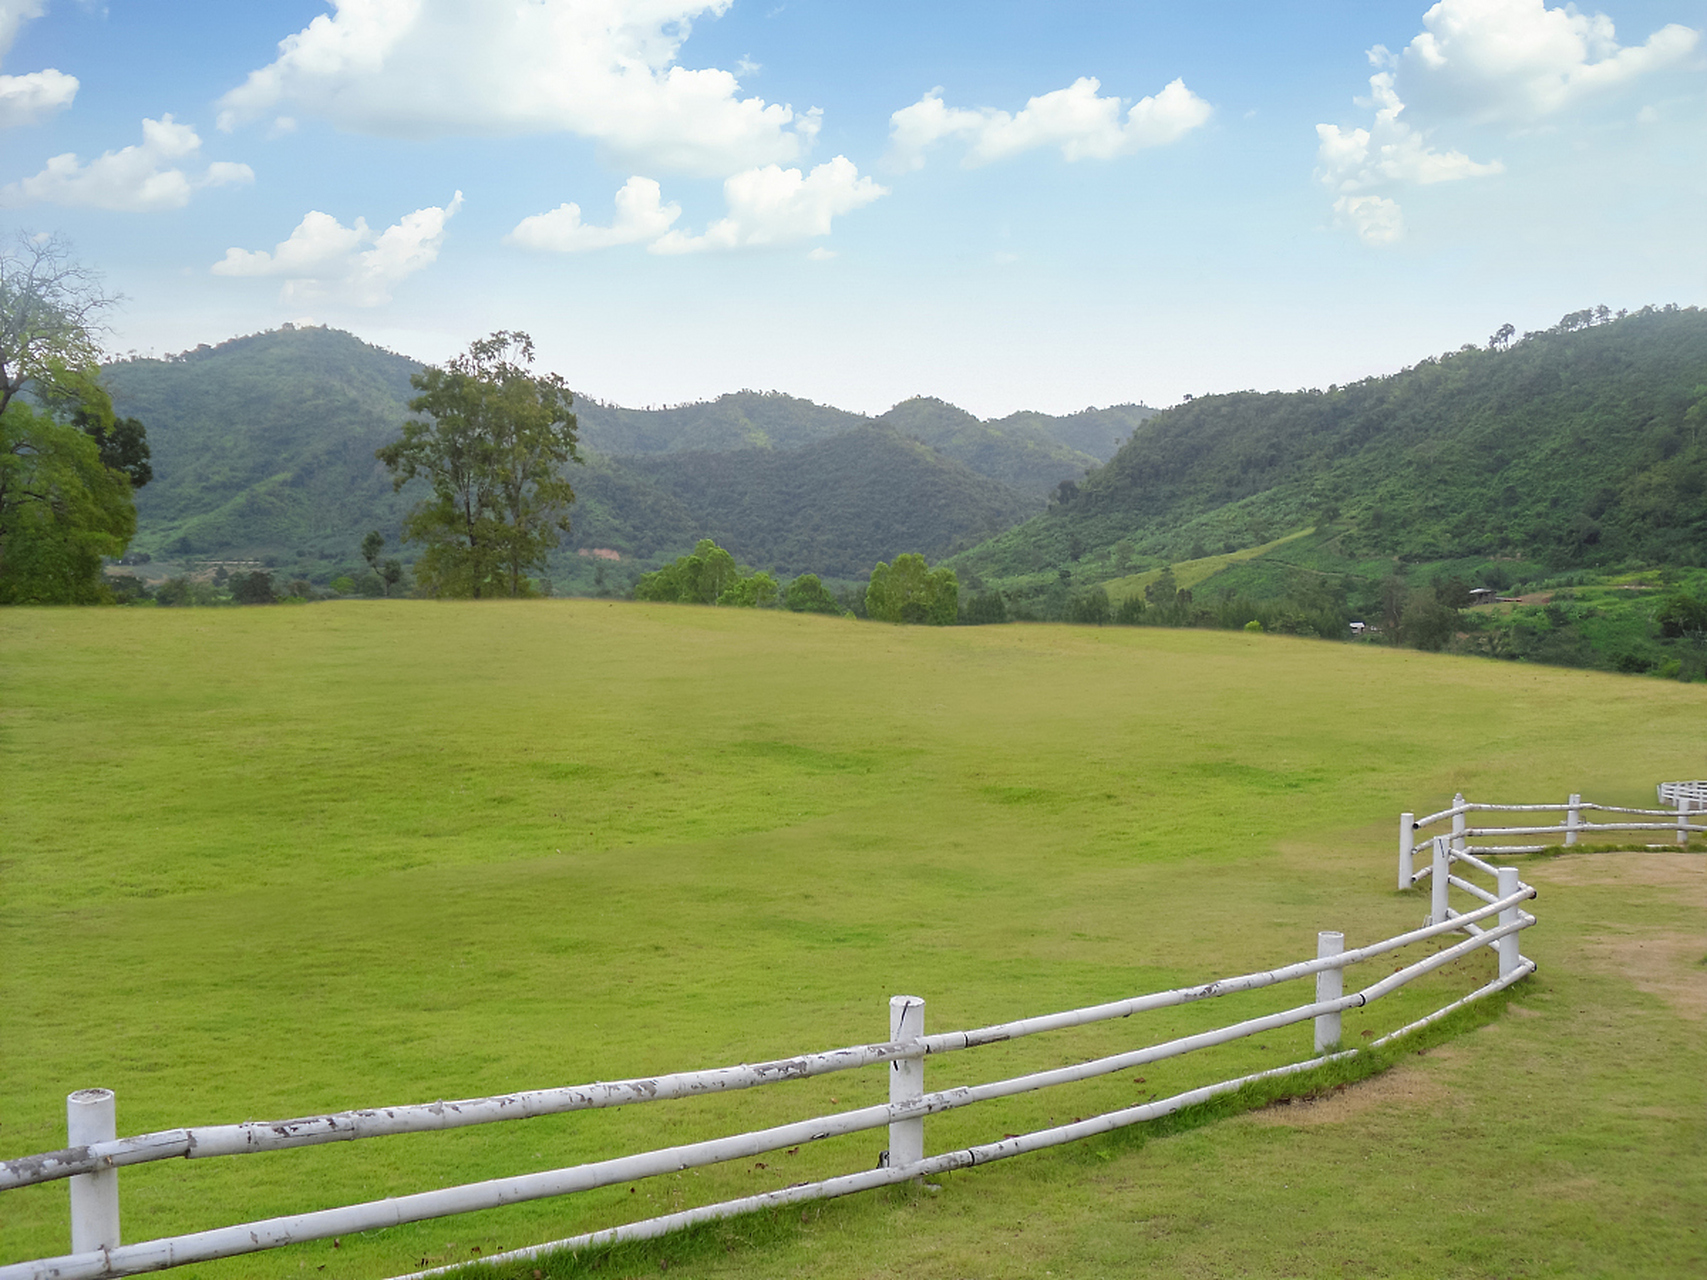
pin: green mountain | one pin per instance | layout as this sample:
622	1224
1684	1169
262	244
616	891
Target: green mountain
1583	445
264	444
739	420
836	507
1033	452
263	448
1030	451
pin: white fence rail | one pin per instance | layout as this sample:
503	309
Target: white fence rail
95	1155
1684	797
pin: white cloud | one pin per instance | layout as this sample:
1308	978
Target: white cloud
1075	119
139	178
35	95
1518	61
1389	152
323	259
774	205
640	215
1510	62
1376	219
820	254
603	69
28	98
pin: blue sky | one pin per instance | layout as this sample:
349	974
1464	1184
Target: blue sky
1008	205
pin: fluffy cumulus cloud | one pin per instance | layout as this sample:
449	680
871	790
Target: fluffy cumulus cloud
325	260
35	95
1079	121
1390	152
606	70
1519	61
161	172
641	214
1490	62
773	205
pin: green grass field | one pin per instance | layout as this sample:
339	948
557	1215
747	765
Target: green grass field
268	862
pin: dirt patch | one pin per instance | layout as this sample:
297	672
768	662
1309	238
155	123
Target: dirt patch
1402	1086
1666	965
1684	873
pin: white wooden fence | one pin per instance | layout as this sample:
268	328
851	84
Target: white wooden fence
1684	797
95	1154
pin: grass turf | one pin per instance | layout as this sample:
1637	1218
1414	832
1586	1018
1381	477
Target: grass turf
270	862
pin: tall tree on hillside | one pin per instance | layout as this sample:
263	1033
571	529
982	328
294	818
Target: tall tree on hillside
493	445
67	465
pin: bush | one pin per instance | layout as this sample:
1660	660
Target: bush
253	588
807	594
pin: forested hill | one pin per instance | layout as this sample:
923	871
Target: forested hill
1033	452
837	507
264	447
739	420
264	444
1585	444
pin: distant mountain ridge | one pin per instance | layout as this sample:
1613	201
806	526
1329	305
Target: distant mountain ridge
1030	451
263	448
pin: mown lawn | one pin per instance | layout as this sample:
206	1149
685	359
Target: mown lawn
267	862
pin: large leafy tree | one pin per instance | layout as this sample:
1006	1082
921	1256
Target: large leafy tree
67	464
704	576
909	591
492	443
61	511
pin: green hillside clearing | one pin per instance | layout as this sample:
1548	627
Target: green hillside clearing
1189	573
267	862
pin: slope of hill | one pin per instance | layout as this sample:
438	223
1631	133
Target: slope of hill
265	443
739	420
837	507
1032	452
1583	445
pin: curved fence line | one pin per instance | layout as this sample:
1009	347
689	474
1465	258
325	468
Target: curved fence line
1687	798
95	1153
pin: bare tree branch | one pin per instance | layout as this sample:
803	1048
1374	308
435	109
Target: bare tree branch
51	317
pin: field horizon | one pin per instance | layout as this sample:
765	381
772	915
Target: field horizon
269	862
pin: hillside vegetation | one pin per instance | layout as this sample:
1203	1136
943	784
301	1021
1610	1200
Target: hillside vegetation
263	449
1584	445
264	445
268	862
836	507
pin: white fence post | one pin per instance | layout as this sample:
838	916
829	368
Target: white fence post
91	1115
906	1081
1438	912
1573	817
1682	819
1407	845
1508	952
1458	824
1330	985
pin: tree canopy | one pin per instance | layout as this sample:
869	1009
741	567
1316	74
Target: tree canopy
67	464
492	444
910	591
50	320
